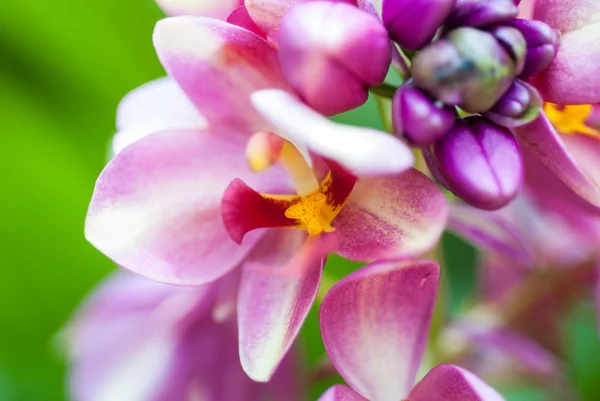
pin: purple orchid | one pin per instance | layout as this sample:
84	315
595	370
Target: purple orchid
564	138
180	204
135	339
375	324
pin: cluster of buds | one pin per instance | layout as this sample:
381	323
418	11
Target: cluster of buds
477	65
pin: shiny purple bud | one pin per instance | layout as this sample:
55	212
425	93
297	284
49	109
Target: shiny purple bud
481	13
469	68
480	162
520	105
418	118
412	24
331	53
542	45
514	43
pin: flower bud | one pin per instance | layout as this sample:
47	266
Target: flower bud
331	53
481	13
514	44
542	45
520	105
412	24
479	162
469	68
418	118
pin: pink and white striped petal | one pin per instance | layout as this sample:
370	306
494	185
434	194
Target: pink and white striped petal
394	216
156	206
279	284
574	164
361	151
375	324
573	77
340	392
155	106
451	383
219	65
219	9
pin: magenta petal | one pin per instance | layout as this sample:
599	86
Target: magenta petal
279	284
451	383
375	324
155	106
494	231
574	165
573	77
567	15
218	65
156	206
207	8
340	392
393	216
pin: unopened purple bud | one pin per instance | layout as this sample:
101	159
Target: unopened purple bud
469	68
520	105
412	24
418	118
514	44
481	13
480	162
542	44
331	53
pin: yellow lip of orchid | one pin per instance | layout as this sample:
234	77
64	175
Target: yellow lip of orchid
314	206
570	119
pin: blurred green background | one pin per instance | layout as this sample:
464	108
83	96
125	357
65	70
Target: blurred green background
64	66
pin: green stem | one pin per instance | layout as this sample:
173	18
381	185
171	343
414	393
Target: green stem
384	90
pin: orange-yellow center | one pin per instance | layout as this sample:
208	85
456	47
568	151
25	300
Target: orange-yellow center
571	119
314	206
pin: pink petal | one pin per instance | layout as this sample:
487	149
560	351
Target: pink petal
361	151
573	77
267	14
156	206
206	8
279	284
451	383
567	15
218	65
494	231
573	165
375	324
155	106
393	216
241	18
340	392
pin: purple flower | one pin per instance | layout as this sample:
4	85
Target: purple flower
375	324
135	339
174	205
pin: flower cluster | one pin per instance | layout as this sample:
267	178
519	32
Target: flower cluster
228	188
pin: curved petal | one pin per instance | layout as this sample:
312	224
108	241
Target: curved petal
451	383
567	15
156	206
267	14
340	392
279	284
361	151
393	216
541	139
573	77
155	106
493	231
375	324
218	65
206	8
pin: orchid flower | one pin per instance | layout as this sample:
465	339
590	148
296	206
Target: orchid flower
183	205
137	340
375	325
566	137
